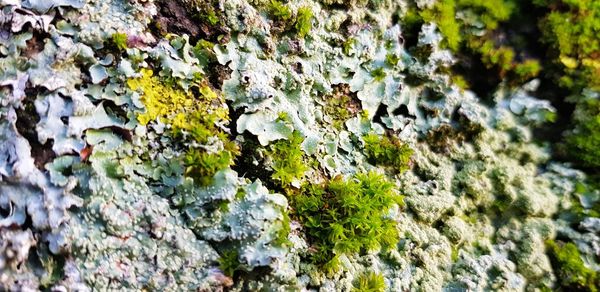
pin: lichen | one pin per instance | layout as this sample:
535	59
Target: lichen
266	145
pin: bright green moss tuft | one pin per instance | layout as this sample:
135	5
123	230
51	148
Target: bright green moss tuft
570	270
571	30
288	162
211	17
528	69
279	10
378	74
347	216
303	23
388	151
392	60
348	45
119	41
369	282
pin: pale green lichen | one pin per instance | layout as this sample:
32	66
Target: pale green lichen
351	162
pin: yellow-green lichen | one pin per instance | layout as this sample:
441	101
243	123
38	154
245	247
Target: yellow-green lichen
161	101
198	118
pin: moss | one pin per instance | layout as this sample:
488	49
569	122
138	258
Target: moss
349	43
340	107
279	11
454	254
460	81
210	16
119	41
229	263
411	26
378	74
391	60
528	69
476	34
283	230
205	12
572	273
288	162
369	282
388	151
571	30
444	15
584	140
162	101
303	23
347	216
202	165
502	57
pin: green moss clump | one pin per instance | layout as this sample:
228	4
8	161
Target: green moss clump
528	69
119	41
340	107
388	151
444	15
391	60
347	216
584	140
199	163
229	263
279	10
210	16
571	30
476	34
303	23
202	165
573	275
487	12
348	45
288	162
378	74
369	282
